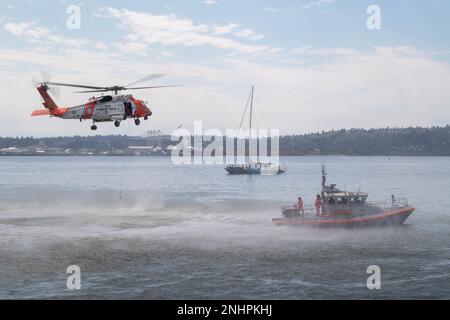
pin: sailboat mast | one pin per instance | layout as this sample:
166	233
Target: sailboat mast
251	108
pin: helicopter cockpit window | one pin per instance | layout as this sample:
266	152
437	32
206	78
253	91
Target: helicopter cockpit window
106	99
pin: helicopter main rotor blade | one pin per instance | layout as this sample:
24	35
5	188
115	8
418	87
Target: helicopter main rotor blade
147	78
74	85
123	89
92	91
152	87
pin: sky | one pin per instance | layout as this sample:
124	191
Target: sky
315	64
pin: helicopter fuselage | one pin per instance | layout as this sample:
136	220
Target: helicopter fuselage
108	108
98	109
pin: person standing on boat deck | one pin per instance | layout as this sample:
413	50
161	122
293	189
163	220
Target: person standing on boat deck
318	204
299	206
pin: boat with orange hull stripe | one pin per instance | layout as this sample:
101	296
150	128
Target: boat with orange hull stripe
337	208
388	218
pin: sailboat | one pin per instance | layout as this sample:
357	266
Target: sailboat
253	168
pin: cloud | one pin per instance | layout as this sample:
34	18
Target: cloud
314	4
34	33
249	34
101	46
272	9
26	30
170	30
307	50
210	2
219	30
133	47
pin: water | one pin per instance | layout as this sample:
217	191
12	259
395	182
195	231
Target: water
144	228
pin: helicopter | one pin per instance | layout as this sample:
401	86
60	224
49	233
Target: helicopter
105	108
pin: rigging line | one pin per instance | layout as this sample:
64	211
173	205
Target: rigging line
251	108
245	111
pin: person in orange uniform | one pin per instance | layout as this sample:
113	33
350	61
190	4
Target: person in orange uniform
300	206
318	204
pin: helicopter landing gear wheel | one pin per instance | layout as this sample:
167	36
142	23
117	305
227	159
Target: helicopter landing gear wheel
117	123
137	122
93	127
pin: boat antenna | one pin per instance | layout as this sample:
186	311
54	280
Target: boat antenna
324	176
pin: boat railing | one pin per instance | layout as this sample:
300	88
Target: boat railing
309	211
396	203
390	203
376	203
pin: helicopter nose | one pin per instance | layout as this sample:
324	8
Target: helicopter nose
148	111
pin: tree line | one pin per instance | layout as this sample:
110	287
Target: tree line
413	141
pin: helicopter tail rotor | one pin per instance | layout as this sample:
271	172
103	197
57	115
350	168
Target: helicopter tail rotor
43	79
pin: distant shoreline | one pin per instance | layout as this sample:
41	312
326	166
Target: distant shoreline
386	142
168	156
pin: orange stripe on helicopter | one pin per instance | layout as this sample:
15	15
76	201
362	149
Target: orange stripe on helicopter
88	110
58	112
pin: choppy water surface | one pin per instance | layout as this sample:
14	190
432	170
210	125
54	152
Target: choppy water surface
144	228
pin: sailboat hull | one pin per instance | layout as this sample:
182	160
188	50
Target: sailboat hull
241	170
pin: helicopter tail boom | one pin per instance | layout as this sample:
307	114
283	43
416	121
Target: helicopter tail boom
51	108
48	101
58	112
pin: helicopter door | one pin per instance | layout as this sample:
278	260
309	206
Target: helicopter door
128	109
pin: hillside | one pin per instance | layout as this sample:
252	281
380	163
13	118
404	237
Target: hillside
433	141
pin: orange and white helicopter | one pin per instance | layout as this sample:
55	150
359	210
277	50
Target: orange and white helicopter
104	108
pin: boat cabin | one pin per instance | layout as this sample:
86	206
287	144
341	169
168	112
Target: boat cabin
343	198
339	202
